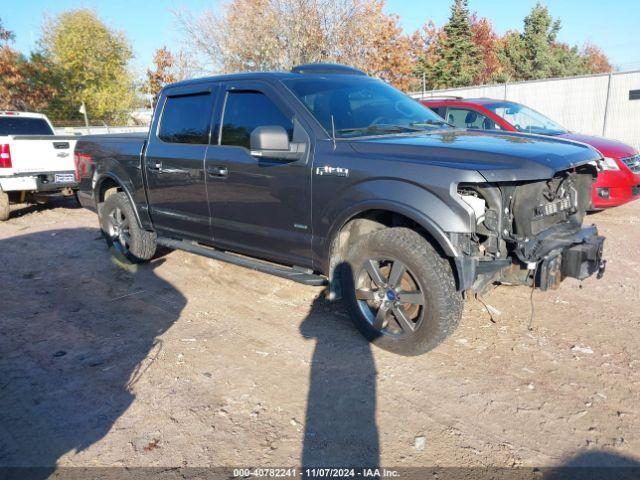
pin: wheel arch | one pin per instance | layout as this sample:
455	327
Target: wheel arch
110	183
371	216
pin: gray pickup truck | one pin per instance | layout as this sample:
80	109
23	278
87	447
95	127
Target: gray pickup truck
325	175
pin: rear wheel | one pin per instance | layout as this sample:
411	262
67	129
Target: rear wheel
122	232
4	206
401	293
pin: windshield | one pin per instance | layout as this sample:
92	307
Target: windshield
14	125
362	106
525	119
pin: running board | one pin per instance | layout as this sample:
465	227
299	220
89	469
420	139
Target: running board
295	274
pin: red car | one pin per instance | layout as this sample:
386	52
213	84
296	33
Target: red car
619	182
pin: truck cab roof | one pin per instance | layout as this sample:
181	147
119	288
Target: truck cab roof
318	70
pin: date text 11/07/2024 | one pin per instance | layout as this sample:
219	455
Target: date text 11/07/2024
315	473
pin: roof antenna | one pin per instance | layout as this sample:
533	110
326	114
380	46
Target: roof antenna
333	132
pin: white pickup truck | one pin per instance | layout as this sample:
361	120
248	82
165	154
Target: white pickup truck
34	163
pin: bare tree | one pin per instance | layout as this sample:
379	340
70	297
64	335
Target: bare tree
250	35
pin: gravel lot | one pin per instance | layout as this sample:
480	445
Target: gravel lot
192	362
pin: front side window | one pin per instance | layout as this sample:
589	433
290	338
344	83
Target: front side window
186	119
526	120
467	118
246	110
356	106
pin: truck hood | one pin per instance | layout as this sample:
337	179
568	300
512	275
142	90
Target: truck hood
498	157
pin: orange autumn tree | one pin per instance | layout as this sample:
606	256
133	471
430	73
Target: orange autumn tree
162	74
487	41
597	61
25	83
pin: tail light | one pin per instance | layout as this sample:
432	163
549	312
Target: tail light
5	156
82	162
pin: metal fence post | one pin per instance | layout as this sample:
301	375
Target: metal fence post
606	107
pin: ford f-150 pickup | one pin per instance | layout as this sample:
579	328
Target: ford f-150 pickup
32	160
325	175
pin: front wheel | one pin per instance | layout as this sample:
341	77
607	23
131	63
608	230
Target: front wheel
122	232
400	292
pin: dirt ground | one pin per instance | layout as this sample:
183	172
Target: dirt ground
192	362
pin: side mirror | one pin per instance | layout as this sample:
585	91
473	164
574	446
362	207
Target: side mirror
272	141
269	138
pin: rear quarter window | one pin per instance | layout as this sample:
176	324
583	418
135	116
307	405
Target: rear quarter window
441	111
24	126
186	119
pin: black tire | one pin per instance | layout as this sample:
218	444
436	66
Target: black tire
4	206
422	305
122	232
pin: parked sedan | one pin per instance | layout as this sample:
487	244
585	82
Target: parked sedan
619	182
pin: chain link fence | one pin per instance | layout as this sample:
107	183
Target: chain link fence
137	121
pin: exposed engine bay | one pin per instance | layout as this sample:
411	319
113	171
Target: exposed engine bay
530	232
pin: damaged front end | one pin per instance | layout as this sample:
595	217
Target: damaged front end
530	232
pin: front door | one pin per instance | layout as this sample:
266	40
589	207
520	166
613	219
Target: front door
259	206
174	163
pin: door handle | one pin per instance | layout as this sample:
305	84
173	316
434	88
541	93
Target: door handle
218	172
157	166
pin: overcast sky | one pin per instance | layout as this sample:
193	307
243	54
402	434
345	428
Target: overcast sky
612	25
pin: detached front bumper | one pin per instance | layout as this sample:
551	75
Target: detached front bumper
580	260
560	252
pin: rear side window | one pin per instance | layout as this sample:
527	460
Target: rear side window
24	126
244	111
186	119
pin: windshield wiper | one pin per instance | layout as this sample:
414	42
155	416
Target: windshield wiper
431	123
381	128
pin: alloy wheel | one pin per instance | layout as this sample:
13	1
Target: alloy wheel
390	297
118	230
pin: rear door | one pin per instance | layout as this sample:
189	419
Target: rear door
259	206
174	162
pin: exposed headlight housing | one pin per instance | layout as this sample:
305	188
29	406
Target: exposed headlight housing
609	164
477	203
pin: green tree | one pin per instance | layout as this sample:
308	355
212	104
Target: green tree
458	57
91	63
530	54
536	53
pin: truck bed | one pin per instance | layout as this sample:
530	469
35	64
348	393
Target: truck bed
119	153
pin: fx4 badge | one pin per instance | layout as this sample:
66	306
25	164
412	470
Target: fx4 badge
328	170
